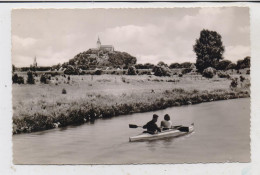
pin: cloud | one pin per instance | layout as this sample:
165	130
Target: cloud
237	52
23	42
149	35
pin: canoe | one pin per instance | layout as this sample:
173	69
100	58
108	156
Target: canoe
175	132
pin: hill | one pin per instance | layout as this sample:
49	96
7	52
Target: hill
92	59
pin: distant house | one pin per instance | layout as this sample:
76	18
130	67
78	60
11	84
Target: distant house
100	47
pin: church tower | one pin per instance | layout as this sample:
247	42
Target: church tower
98	43
34	62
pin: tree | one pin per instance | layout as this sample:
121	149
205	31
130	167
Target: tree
231	66
161	71
17	79
43	78
139	66
174	66
222	65
30	78
161	63
245	63
13	68
186	65
131	71
209	49
148	66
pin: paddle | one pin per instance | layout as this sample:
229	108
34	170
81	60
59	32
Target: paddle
134	126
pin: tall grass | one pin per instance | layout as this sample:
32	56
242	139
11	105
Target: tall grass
105	106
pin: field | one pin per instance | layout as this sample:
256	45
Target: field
84	98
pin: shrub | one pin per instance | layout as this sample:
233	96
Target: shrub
223	65
43	78
186	70
186	65
30	78
161	63
98	72
64	91
245	63
17	79
248	72
70	70
242	78
223	75
233	83
209	72
161	71
174	66
131	70
231	66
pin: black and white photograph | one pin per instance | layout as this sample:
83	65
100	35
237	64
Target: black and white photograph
130	86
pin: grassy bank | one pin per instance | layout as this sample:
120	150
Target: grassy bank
44	106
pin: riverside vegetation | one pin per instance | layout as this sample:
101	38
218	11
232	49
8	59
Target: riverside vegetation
61	100
103	84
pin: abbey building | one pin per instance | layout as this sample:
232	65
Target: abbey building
101	47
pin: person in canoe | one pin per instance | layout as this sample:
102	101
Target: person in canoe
151	126
166	123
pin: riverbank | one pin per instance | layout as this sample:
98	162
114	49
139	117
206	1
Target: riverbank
45	106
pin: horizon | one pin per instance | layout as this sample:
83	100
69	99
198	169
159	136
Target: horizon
150	35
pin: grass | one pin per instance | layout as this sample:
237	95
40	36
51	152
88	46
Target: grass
45	106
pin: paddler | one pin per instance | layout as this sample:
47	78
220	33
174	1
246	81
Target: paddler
151	126
166	123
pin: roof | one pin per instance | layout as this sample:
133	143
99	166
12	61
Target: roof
106	46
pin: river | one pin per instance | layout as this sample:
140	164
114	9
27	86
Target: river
222	134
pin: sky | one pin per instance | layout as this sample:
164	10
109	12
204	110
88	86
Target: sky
151	35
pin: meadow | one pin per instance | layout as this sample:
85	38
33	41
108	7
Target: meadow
83	98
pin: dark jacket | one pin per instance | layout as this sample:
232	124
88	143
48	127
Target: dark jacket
151	126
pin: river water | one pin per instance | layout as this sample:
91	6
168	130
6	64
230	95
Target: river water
222	134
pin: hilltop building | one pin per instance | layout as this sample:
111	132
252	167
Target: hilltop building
101	47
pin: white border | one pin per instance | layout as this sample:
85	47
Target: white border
6	166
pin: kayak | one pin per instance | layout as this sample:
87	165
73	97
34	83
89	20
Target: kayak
174	132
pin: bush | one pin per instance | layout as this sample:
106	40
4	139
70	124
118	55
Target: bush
248	72
175	66
161	71
98	72
209	72
131	70
161	63
30	78
223	75
186	70
245	63
64	91
43	78
242	78
17	79
70	70
223	65
186	65
231	66
233	83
